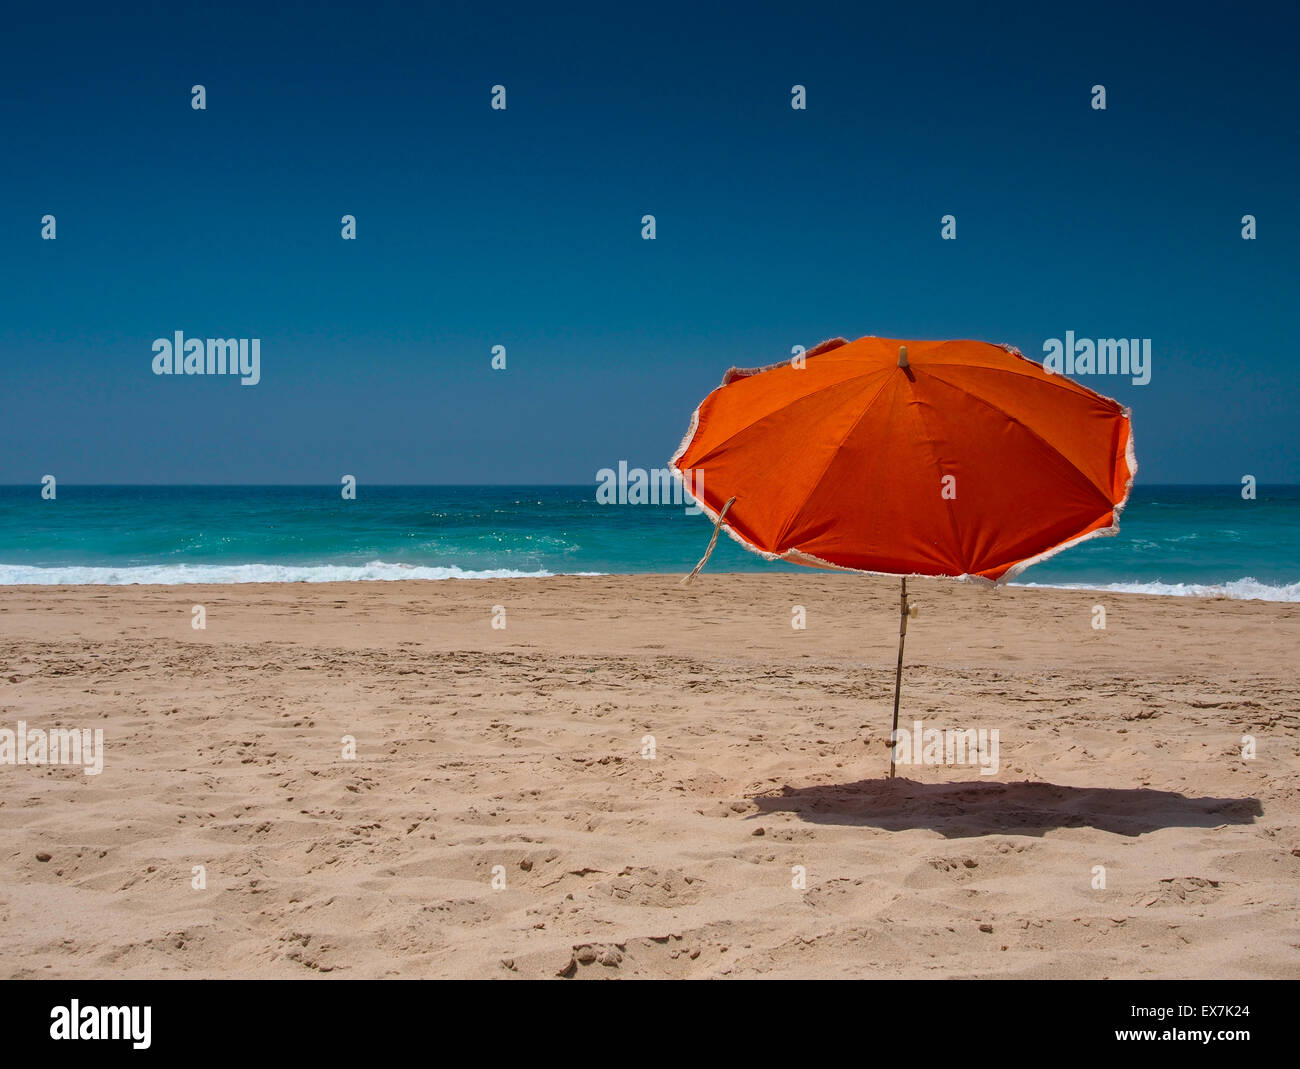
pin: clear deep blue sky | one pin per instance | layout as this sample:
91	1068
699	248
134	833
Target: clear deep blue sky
522	228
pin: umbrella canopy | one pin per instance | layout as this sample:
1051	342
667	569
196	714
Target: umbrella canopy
935	458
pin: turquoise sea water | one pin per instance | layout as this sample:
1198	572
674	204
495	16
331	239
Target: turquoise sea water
1174	539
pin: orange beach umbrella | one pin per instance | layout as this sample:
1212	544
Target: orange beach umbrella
908	458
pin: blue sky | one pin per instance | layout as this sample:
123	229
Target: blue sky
522	227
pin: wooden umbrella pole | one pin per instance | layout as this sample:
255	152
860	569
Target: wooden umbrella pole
898	675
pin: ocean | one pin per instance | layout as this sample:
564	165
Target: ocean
1178	540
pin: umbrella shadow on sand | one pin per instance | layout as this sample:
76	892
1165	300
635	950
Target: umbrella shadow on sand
963	810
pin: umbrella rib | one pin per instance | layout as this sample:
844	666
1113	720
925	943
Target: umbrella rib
831	460
1030	430
713	449
959	545
1034	434
1059	382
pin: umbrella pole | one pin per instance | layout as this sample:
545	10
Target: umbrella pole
898	675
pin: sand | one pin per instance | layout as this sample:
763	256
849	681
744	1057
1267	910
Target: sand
515	756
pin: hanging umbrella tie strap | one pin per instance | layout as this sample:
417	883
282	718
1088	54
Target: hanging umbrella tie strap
717	526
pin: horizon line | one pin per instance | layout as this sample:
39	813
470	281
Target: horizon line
472	486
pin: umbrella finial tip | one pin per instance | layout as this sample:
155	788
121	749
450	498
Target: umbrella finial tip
902	356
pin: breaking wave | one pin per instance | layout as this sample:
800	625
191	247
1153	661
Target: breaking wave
172	574
1247	589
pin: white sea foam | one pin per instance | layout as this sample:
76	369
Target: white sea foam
170	574
1247	589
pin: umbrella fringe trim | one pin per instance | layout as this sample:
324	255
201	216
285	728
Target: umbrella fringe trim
735	373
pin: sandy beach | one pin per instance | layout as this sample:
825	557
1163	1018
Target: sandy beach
520	756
